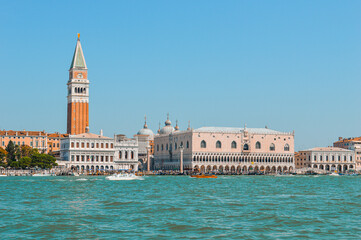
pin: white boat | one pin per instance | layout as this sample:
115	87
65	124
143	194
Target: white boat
124	176
75	174
41	175
3	175
334	174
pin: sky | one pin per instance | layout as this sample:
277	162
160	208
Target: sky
288	65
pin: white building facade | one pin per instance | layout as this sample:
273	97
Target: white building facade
90	152
327	159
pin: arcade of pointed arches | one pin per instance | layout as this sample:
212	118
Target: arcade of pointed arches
208	162
240	158
242	169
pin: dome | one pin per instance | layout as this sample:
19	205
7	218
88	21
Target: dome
145	130
166	130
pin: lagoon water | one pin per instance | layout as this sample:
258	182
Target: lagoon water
172	207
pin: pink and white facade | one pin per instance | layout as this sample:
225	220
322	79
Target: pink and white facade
224	149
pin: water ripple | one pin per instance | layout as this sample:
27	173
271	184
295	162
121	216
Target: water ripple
166	207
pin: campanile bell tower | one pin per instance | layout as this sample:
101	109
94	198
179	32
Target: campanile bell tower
78	93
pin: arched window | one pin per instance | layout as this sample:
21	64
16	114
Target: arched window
76	90
157	148
245	147
166	147
187	144
218	144
162	147
258	145
175	146
132	155
272	147
120	154
287	147
234	144
203	144
126	155
84	90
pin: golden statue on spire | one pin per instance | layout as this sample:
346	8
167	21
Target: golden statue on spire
78	35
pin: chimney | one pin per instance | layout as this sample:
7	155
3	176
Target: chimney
339	138
87	129
101	132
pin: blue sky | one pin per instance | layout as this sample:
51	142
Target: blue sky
290	65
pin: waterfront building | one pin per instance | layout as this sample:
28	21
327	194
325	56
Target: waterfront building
145	138
34	139
88	152
327	159
126	151
224	149
78	93
351	144
54	142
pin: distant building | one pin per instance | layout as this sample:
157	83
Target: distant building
224	149
351	144
88	152
34	139
126	153
145	138
327	159
54	142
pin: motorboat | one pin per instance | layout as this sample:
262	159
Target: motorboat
41	175
3	175
334	174
124	176
203	176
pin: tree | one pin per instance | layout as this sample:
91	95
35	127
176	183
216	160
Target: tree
26	151
10	149
17	152
25	162
3	154
43	161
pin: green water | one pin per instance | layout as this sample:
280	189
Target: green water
172	207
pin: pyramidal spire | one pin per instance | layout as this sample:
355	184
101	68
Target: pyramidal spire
78	58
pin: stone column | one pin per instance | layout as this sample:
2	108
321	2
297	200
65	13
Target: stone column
181	159
148	159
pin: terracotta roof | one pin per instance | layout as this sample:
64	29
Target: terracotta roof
346	140
22	133
89	135
57	135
